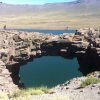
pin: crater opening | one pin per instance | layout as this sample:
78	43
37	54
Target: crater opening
49	71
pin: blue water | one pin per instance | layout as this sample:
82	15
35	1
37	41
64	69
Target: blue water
49	71
47	31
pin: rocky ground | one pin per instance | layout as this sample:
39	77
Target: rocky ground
91	92
71	91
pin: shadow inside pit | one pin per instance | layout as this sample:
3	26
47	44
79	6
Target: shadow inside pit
89	62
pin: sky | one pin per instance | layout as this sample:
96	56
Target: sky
33	1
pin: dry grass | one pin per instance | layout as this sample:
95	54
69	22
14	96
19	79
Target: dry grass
49	21
24	94
3	96
90	80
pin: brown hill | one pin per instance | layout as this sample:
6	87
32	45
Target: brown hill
80	13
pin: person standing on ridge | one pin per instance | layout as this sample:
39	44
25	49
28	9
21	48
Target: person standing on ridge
4	27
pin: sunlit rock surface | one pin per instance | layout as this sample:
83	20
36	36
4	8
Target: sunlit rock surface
17	48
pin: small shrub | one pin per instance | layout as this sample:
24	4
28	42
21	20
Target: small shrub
90	80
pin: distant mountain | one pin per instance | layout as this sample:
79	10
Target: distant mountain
74	11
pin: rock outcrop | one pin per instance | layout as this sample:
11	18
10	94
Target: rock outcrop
17	48
6	82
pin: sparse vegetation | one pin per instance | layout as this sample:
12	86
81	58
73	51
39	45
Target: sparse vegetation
90	80
3	96
24	94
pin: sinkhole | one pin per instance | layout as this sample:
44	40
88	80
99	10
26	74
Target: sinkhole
49	71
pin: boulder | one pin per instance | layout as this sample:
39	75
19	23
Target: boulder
17	38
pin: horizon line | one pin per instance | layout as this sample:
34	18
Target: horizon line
37	3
